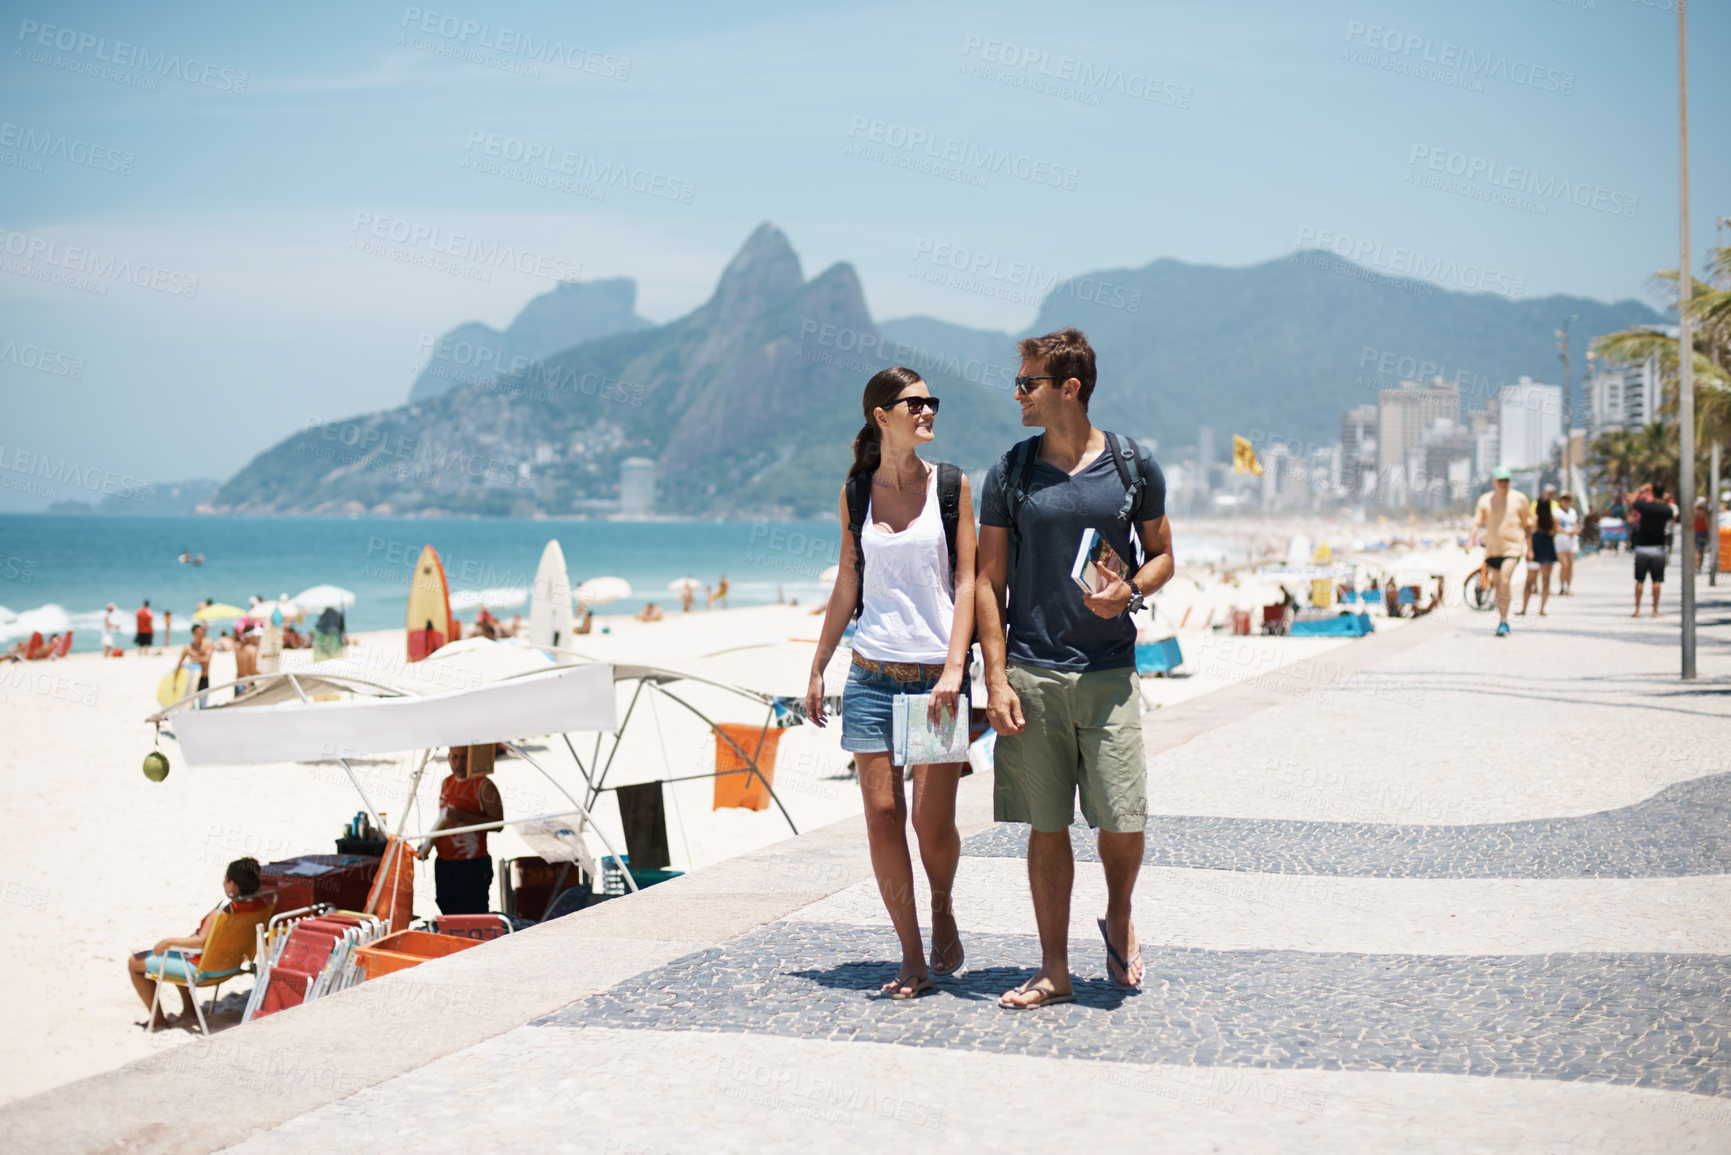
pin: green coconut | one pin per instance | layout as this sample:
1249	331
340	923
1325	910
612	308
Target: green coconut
156	766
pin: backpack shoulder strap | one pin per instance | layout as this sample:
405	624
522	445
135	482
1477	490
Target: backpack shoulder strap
949	507
859	492
1127	458
1017	476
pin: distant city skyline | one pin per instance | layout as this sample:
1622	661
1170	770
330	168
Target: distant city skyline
194	198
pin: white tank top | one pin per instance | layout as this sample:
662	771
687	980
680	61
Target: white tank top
910	603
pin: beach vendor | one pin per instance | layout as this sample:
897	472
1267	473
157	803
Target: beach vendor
328	634
145	967
463	872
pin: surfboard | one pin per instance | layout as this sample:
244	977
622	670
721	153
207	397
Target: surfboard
550	604
176	684
429	620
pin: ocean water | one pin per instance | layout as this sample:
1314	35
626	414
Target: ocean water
57	571
80	564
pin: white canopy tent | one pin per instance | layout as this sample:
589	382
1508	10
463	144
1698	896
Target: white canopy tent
469	693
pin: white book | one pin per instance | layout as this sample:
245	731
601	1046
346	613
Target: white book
916	742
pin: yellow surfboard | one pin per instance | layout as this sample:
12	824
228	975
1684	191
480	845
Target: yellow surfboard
429	621
177	684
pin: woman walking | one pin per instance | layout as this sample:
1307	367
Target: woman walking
912	591
1544	551
1568	543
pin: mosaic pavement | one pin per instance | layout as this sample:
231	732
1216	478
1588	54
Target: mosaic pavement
1556	981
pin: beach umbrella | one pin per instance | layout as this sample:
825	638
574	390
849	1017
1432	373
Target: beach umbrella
497	597
219	612
599	591
828	576
684	584
265	611
326	595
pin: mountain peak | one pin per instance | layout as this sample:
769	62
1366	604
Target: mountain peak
765	269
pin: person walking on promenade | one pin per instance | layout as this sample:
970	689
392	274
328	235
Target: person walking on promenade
1701	520
1061	683
1544	550
1568	543
907	572
1506	517
1651	539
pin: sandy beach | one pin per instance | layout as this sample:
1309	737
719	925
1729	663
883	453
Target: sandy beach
109	862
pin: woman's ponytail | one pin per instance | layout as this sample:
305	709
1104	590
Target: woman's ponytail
884	387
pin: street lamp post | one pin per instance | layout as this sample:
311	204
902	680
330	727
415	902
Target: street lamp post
1568	399
1685	351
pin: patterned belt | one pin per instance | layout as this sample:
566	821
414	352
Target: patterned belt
900	671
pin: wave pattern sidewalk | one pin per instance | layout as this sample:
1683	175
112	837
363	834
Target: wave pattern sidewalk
1484	905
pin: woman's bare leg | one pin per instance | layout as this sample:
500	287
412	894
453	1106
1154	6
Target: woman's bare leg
934	814
886	813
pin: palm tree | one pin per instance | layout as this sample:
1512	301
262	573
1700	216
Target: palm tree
1710	311
1612	458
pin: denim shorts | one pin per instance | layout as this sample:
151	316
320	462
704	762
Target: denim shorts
866	704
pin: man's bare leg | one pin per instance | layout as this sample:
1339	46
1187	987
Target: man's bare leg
1051	874
1505	594
1121	855
1638	586
1656	586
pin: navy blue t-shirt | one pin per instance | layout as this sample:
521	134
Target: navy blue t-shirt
1050	626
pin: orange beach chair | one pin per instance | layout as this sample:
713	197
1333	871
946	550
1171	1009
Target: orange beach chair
227	952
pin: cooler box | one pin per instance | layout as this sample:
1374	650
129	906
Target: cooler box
408	948
339	879
1158	657
1340	626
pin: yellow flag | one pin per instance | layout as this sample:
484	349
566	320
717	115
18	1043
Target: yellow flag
1244	457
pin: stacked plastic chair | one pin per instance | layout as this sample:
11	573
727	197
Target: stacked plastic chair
311	956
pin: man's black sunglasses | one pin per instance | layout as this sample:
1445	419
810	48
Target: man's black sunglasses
1025	385
916	405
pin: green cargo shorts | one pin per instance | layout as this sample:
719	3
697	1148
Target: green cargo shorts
1083	733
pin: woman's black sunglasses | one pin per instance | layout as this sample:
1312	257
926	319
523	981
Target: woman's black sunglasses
916	405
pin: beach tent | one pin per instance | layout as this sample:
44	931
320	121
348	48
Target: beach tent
472	692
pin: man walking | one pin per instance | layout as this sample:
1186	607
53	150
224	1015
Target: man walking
1061	687
1506	517
1651	538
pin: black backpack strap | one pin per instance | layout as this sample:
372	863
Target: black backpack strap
859	492
1018	474
1127	457
949	506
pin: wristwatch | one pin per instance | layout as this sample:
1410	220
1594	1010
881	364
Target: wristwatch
1135	596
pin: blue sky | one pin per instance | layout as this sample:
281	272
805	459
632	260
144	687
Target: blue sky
230	162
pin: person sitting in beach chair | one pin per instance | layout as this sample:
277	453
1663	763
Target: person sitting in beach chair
649	613
148	967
